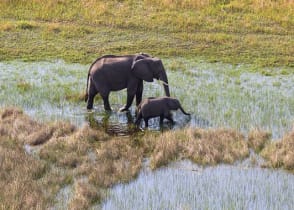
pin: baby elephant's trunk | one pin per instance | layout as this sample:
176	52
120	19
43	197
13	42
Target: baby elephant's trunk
181	108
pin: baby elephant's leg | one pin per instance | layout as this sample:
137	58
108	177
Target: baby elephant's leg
161	119
146	122
170	117
139	117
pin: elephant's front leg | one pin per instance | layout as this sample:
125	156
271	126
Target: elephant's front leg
139	93
106	101
130	99
131	91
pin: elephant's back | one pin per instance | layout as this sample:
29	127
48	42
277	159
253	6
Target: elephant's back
111	72
111	63
152	107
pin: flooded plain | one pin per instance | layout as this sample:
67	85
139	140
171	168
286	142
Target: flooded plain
194	187
217	95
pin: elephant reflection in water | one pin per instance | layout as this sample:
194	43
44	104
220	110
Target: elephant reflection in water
110	126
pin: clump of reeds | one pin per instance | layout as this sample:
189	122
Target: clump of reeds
117	161
19	176
69	147
167	147
206	147
281	153
85	195
215	146
17	125
257	139
63	152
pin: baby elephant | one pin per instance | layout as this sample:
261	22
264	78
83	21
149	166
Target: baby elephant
157	107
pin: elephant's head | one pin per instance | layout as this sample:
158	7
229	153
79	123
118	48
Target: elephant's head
149	68
174	104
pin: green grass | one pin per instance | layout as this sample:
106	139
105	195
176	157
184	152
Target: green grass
253	32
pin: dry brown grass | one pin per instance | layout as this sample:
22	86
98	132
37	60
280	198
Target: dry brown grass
281	153
69	153
206	147
257	139
117	161
63	150
85	195
18	178
15	124
167	147
92	161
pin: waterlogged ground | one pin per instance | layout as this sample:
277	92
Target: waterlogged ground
183	185
217	95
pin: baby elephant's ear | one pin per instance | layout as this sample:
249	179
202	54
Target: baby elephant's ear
142	69
173	103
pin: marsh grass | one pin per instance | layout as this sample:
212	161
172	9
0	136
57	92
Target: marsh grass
19	173
257	139
205	147
92	161
85	195
184	185
280	153
65	154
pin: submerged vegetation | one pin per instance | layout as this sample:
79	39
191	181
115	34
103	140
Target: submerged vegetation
91	161
252	32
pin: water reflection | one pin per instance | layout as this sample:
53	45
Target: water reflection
113	123
122	123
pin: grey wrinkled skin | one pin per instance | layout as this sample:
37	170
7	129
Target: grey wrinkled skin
112	73
157	107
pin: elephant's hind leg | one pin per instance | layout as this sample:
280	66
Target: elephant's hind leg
161	119
146	122
106	102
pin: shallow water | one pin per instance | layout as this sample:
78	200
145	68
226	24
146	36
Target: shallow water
184	185
217	95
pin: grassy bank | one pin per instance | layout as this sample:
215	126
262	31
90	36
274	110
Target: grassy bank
40	160
253	32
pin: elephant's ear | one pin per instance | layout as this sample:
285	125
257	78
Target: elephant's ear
143	69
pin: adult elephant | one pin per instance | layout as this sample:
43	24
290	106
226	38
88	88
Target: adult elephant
113	73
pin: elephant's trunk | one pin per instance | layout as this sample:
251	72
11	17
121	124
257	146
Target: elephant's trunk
181	108
163	78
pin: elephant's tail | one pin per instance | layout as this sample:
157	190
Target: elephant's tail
87	95
181	108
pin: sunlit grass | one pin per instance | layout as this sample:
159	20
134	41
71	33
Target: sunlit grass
205	147
204	29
